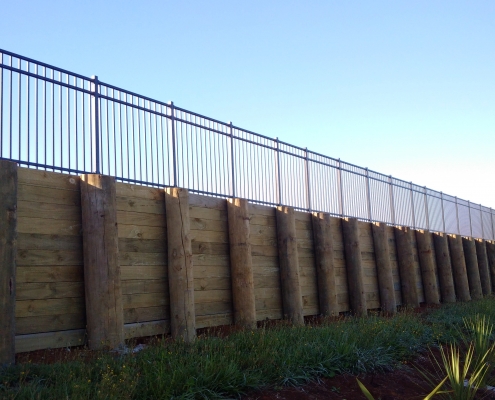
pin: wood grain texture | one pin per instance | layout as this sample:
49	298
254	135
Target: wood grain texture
429	277
289	265
241	264
354	265
49	323
325	266
50	340
405	256
444	268
459	269
8	252
384	269
484	269
149	328
102	279
472	268
180	265
490	253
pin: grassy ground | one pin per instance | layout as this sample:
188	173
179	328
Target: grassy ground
213	367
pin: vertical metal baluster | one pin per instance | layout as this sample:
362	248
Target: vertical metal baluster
279	188
443	214
368	193
426	210
174	151
308	183
1	106
412	207
470	221
341	188
95	123
232	158
37	120
392	204
28	130
457	216
493	225
482	228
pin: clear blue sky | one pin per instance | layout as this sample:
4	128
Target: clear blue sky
404	88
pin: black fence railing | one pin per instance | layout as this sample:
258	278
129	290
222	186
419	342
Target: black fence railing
55	119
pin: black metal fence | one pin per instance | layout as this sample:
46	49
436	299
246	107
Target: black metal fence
55	119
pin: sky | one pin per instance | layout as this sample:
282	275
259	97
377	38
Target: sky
403	88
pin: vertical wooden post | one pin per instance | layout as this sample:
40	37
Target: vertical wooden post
289	265
472	269
384	268
8	253
490	253
444	266
241	264
427	264
104	312
180	265
325	267
354	266
459	268
486	283
405	258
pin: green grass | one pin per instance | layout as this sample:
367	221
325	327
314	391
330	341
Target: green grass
224	368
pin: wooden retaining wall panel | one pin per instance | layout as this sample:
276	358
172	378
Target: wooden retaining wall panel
142	231
340	267
394	264
266	272
370	277
50	340
417	270
211	260
307	264
50	280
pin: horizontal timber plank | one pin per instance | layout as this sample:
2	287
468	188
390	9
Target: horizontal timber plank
139	191
263	261
209	248
132	315
207	272
36	308
206	321
31	241
134	245
49	340
28	176
138	259
256	219
46	226
268	303
140	219
48	290
48	257
68	273
207	213
197	200
145	286
35	209
144	300
213	260
142	232
49	195
149	328
306	225
140	205
143	272
264	231
60	322
212	296
202	224
212	283
258	209
262	315
209	236
213	308
269	251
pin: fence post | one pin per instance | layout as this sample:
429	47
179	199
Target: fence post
232	170
8	252
457	216
95	116
426	210
392	206
493	225
412	207
279	189
443	214
341	189
470	222
482	228
308	186
368	193
174	150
